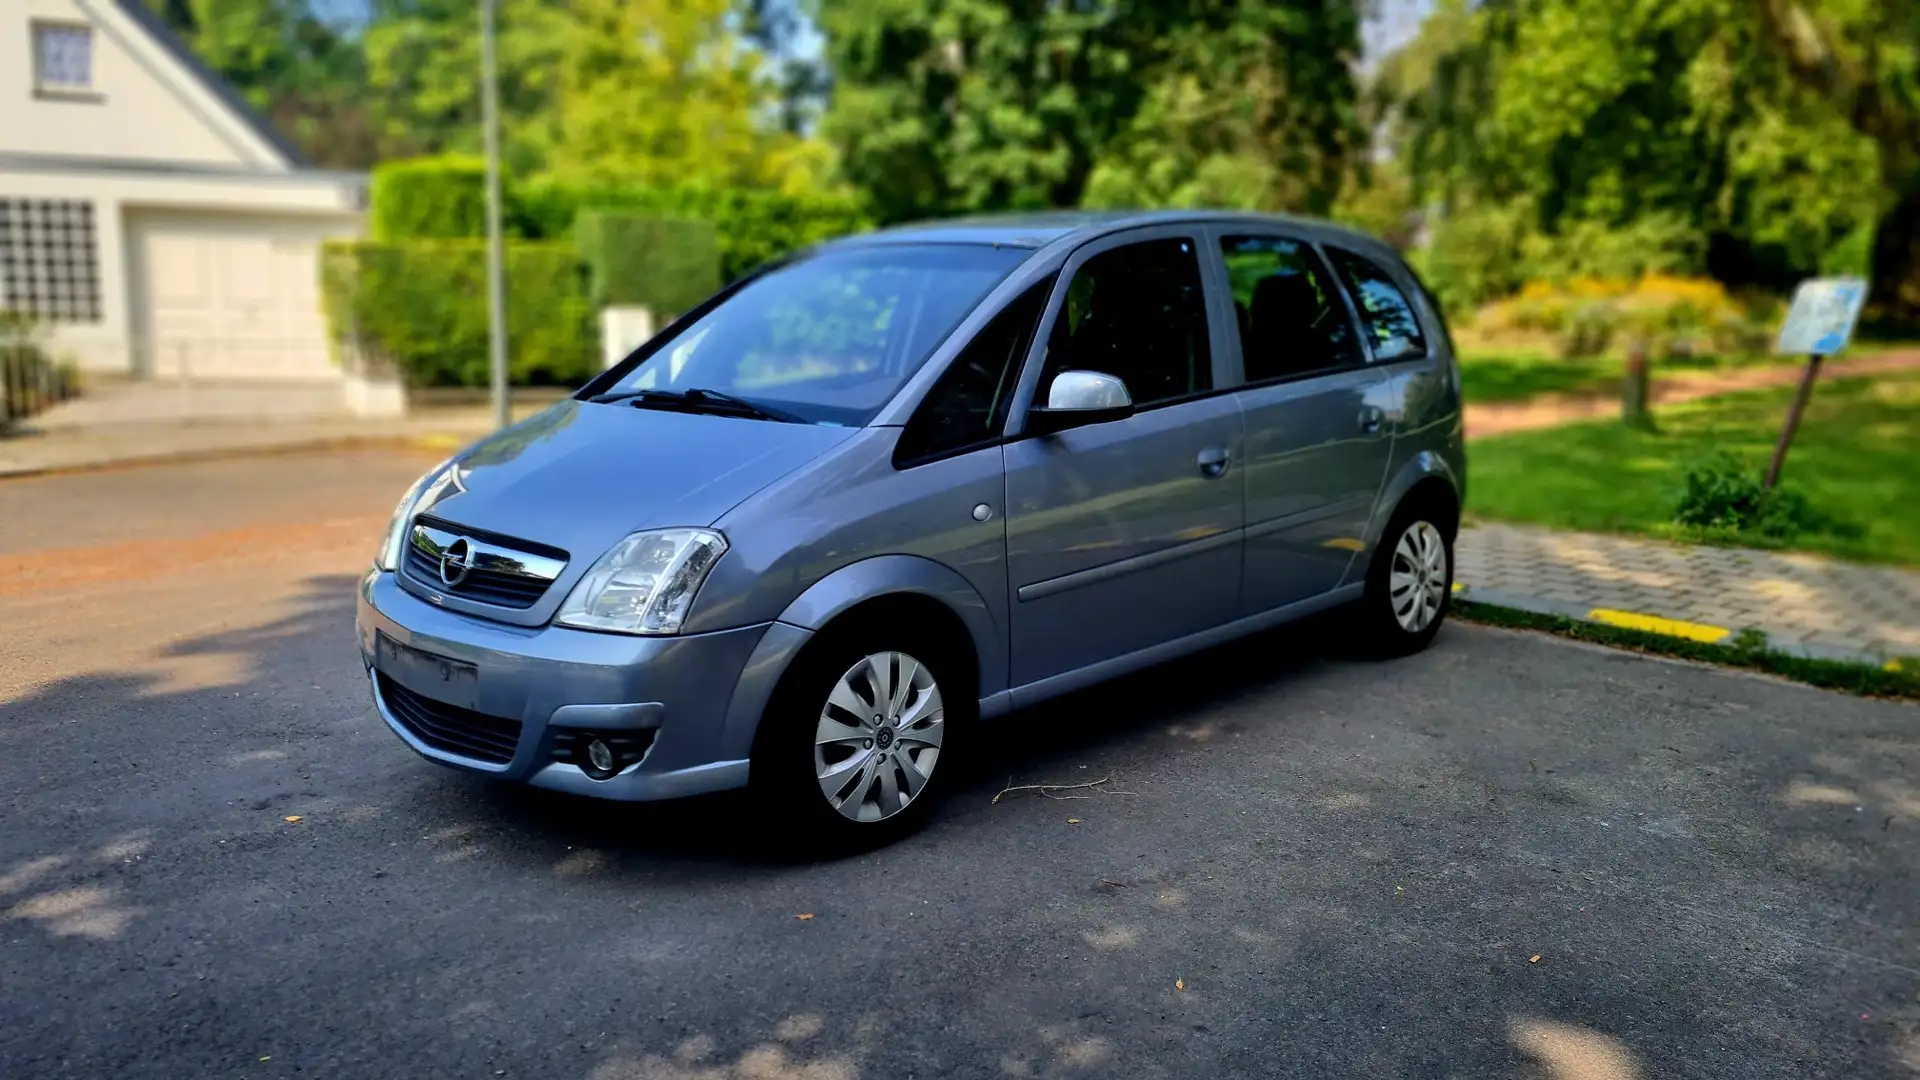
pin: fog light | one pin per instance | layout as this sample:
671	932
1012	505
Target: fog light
602	755
599	756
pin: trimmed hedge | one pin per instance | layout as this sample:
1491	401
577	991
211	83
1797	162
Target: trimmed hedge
422	306
416	295
753	227
433	198
660	263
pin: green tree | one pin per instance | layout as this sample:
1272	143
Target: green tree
780	30
1758	140
651	93
307	76
1248	107
423	66
965	105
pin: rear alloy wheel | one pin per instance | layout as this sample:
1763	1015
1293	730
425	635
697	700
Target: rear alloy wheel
1409	585
877	740
1418	577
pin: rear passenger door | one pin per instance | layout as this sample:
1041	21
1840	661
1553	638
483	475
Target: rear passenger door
1316	413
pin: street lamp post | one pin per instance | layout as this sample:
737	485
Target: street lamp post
496	269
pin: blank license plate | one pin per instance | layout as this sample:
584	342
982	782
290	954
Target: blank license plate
424	673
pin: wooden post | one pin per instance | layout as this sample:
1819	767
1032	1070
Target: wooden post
1633	393
1793	418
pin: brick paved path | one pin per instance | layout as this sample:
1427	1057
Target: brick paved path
1821	606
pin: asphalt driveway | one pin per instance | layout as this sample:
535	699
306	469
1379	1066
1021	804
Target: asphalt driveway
1508	857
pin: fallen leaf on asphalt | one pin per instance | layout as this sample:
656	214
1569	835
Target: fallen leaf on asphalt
1534	959
1180	985
292	819
269	1057
804	916
1073	821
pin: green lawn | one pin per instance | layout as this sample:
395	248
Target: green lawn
1855	458
1488	377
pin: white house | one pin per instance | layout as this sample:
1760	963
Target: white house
156	224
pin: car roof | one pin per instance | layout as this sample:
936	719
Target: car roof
1039	229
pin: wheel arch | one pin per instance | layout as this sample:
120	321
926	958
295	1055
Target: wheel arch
1426	475
886	587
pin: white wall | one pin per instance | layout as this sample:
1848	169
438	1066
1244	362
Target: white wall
322	203
148	107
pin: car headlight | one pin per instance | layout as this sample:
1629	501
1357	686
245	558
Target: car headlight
646	584
434	480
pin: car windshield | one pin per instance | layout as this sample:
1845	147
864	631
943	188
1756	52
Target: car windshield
829	339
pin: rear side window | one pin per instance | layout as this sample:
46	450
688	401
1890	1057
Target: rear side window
1291	319
968	406
1389	318
1439	313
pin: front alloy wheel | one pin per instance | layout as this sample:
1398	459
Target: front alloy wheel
878	737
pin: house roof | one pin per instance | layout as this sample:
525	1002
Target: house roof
156	28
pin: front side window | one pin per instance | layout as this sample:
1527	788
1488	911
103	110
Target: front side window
63	57
1139	313
1389	317
831	338
1291	319
968	406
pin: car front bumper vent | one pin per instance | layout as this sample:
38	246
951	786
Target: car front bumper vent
449	728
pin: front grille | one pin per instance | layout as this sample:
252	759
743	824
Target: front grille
451	728
493	569
486	586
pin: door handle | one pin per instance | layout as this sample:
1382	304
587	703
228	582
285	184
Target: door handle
1370	418
1213	462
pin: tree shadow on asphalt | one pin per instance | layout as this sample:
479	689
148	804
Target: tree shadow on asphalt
259	705
262	757
732	828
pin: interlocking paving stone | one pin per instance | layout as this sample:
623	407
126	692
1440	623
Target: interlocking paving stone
1795	597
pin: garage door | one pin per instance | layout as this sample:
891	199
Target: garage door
233	299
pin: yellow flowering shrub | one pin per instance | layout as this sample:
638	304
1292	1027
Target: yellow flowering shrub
1584	315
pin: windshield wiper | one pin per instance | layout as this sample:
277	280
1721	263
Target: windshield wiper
698	400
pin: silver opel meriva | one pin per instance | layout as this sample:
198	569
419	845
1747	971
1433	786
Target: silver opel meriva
822	525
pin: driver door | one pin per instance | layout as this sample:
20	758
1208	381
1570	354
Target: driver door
1125	535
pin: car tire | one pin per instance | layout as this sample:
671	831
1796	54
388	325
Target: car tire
1409	587
832	778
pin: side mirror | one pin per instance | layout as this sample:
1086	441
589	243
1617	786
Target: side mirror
1079	398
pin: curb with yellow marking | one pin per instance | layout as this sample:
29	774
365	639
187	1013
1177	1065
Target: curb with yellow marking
1655	624
1652	624
440	441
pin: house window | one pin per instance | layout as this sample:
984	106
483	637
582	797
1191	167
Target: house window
49	262
62	58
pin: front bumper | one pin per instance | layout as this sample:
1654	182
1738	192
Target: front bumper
701	695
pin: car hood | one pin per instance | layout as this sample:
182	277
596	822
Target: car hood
580	476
